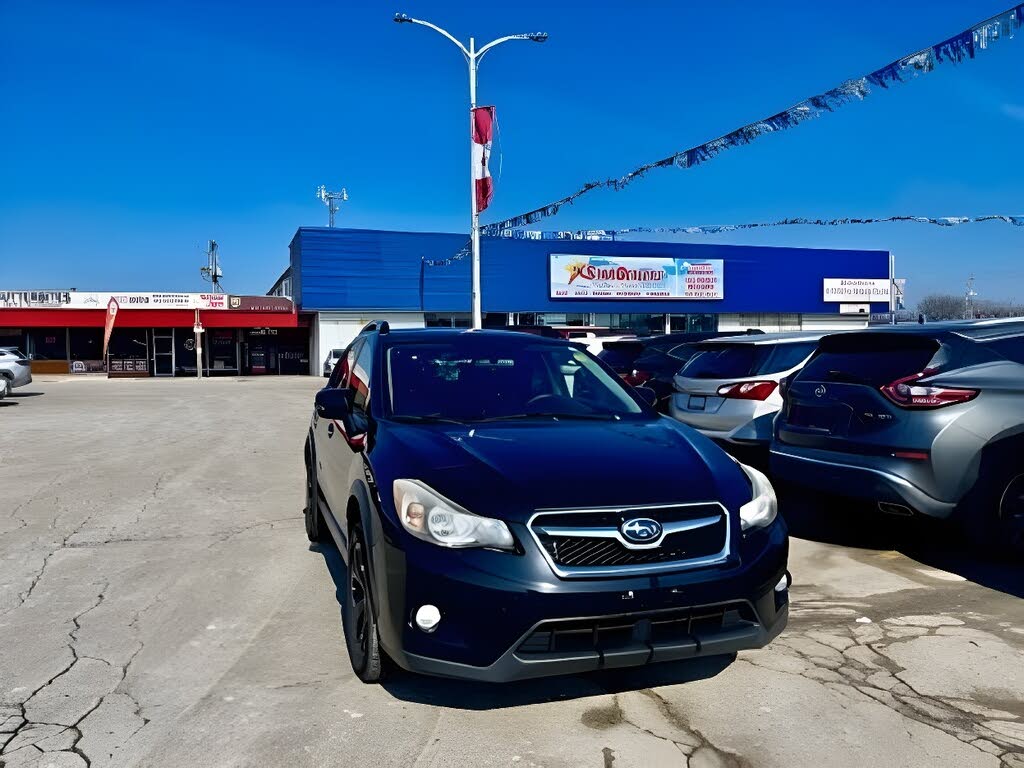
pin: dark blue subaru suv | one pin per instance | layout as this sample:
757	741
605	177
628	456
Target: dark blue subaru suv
507	508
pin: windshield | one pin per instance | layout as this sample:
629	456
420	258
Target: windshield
483	377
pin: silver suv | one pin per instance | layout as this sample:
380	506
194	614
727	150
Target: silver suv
15	370
729	388
923	420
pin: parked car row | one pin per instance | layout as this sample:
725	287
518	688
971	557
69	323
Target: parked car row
15	370
921	420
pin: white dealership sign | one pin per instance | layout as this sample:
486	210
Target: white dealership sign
857	289
574	276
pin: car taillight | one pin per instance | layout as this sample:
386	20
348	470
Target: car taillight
637	377
748	390
906	394
784	387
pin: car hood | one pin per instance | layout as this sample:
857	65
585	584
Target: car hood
510	469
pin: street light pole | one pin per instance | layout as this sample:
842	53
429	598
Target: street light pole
473	57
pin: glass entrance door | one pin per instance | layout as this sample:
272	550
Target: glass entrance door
163	352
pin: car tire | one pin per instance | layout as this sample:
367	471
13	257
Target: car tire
316	527
5	387
361	635
993	512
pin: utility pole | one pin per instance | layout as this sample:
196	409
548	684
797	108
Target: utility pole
969	299
473	56
212	271
331	199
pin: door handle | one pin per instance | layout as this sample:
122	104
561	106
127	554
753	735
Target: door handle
330	429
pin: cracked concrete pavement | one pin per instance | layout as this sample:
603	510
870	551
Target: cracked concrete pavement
160	606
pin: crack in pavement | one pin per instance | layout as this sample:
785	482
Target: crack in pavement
27	723
880	678
693	744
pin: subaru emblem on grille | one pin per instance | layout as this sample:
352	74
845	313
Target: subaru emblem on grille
640	530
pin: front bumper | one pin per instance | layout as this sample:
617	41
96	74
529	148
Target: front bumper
529	623
872	478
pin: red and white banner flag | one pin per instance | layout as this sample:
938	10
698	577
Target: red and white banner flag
112	307
483	134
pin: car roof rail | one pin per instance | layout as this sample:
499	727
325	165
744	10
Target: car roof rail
380	326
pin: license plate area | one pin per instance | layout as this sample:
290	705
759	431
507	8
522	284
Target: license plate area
816	418
697	402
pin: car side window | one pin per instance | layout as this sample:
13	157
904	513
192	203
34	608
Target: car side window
339	376
359	377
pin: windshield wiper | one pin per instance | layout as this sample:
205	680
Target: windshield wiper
431	418
556	416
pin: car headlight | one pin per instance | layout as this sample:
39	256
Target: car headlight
428	515
763	508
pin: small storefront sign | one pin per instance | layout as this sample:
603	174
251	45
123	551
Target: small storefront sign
28	299
261	304
856	289
574	276
128	367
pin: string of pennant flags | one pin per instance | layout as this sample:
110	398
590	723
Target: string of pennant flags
957	49
611	234
714	229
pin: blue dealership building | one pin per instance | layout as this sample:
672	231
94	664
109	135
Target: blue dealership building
340	279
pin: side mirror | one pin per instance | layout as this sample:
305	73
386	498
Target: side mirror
648	395
332	403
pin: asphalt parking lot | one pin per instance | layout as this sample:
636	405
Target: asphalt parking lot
161	606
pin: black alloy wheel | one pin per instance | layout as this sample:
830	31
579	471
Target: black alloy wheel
1011	515
361	635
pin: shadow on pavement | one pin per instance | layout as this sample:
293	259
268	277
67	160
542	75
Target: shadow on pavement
26	394
466	694
934	543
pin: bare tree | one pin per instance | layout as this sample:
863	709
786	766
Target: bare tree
941	306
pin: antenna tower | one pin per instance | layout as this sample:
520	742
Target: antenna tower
331	200
211	272
969	299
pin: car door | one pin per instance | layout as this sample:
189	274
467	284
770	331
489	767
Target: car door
329	438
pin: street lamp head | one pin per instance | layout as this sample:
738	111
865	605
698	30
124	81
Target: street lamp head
538	37
402	18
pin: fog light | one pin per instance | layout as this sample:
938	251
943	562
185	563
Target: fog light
428	617
784	582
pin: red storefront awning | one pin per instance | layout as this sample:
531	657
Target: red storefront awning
145	318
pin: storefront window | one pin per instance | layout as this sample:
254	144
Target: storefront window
644	324
222	355
128	352
86	346
694	323
48	344
13	337
447	319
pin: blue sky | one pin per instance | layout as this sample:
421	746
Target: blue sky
131	132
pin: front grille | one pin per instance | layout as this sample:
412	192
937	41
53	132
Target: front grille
607	635
590	545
